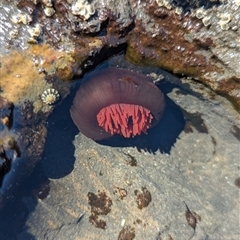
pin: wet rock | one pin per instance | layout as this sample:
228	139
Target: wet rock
120	192
190	39
46	43
100	205
185	37
6	113
192	218
26	115
186	191
19	154
144	198
22	77
9	152
32	141
22	140
9	147
127	233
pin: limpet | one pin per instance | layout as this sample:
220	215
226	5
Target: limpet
50	96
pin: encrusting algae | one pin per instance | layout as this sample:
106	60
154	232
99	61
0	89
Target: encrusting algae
22	75
20	79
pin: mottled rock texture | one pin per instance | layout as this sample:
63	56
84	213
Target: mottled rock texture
196	38
177	182
203	43
47	43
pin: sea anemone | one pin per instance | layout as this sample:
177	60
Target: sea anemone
117	101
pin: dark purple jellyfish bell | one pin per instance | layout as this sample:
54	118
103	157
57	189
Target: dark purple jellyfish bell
117	101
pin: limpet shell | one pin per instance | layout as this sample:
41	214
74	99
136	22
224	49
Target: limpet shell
50	96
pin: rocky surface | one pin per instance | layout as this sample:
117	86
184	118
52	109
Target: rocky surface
203	44
67	38
181	181
45	44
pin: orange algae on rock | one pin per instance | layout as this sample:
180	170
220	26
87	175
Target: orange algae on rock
54	61
22	78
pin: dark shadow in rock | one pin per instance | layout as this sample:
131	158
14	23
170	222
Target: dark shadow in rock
160	138
13	218
235	130
16	211
12	180
187	5
58	159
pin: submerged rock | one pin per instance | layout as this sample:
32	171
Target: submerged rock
46	44
182	183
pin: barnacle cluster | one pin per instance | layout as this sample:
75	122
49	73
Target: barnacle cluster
226	16
34	32
18	28
164	3
21	18
222	18
83	8
200	13
48	8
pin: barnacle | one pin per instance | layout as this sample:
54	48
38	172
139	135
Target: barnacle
83	9
49	11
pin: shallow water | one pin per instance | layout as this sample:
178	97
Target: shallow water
23	213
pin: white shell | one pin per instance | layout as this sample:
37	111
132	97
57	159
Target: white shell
49	11
21	18
35	31
50	96
47	3
200	13
83	8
